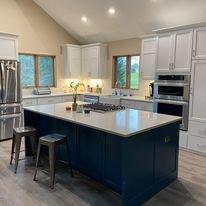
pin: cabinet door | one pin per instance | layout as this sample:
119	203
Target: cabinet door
75	61
128	104
68	98
148	58
90	152
29	102
71	61
199	43
49	100
198	95
146	106
94	61
164	52
182	51
166	152
86	69
9	47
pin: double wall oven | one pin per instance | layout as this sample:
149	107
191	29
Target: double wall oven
171	96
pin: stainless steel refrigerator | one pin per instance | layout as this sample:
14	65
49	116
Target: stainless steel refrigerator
10	98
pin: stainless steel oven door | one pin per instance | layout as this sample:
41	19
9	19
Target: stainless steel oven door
176	108
171	91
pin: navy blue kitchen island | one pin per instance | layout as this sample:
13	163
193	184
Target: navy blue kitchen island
136	159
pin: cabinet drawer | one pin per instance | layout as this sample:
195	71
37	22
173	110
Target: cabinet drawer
49	100
128	104
183	139
143	106
67	99
29	102
197	144
197	129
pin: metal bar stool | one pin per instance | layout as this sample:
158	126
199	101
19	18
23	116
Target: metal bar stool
18	133
51	141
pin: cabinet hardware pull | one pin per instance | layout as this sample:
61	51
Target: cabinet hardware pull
168	139
193	53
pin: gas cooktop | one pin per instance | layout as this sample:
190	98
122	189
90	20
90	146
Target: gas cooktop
100	107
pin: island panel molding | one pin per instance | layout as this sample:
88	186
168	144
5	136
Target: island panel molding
136	167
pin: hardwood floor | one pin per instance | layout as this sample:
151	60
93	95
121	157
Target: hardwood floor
21	190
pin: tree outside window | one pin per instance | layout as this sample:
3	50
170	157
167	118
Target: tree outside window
126	71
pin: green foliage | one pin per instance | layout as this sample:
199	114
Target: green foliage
75	87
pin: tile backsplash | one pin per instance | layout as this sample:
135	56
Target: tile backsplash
63	86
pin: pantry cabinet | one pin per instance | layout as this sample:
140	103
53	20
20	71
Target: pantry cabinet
71	61
148	57
174	51
199	43
94	61
197	93
197	117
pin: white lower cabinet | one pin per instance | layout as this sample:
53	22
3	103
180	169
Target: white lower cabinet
146	106
49	100
135	104
29	102
183	139
67	98
197	144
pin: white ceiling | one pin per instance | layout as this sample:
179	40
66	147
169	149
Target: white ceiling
132	19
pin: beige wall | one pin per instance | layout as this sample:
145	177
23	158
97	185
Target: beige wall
38	33
125	47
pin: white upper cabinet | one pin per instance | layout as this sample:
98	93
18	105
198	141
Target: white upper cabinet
8	46
198	95
94	61
148	58
164	50
174	51
182	54
199	43
71	61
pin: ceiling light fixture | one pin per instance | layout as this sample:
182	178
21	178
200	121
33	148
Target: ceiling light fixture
111	11
84	19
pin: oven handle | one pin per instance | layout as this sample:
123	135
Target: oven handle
172	84
171	102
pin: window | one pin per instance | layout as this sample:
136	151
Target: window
37	70
126	71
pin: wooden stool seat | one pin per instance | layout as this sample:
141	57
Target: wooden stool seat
51	141
18	133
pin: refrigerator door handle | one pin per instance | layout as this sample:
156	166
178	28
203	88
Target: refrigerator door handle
3	79
1	85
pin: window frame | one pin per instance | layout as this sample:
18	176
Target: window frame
128	70
36	68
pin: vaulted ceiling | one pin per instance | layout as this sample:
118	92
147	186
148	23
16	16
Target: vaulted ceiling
133	18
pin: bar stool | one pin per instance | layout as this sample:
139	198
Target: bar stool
18	133
51	141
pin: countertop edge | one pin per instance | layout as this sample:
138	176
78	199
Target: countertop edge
104	130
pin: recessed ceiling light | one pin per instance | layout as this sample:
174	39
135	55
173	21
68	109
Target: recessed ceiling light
84	19
111	11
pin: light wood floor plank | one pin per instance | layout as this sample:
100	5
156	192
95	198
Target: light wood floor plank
20	190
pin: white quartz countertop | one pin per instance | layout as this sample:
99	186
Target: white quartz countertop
123	123
56	94
107	95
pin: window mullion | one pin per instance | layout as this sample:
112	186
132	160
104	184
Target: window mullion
36	71
128	71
